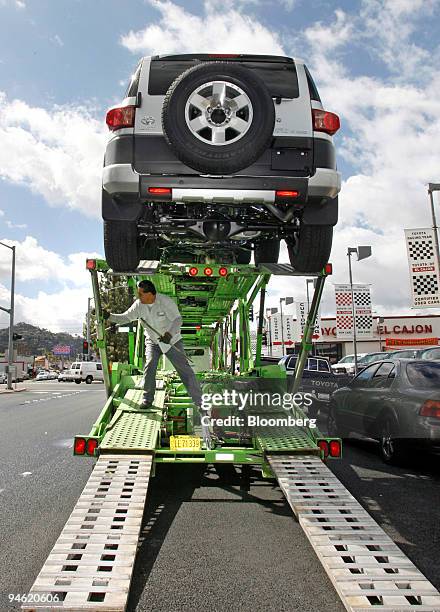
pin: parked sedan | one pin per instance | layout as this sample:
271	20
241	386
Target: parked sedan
396	402
431	353
42	376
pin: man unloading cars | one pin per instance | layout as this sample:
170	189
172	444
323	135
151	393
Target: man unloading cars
162	321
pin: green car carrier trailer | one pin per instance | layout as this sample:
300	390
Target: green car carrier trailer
91	564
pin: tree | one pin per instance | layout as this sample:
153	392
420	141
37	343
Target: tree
116	297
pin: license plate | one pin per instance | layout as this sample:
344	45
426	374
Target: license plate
178	443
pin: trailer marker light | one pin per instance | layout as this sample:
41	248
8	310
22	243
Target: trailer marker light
91	264
323	445
80	446
431	408
198	327
159	190
193	271
223	271
335	448
208	271
92	445
285	193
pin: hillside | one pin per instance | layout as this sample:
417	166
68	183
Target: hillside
37	341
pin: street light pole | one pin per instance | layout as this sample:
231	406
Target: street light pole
362	252
282	326
349	252
11	318
431	188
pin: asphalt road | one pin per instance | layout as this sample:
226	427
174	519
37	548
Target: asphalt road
205	543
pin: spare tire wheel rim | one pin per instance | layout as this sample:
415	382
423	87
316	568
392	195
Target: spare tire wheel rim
218	113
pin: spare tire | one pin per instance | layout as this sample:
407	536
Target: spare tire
218	117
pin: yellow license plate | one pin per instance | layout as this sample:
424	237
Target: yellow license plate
178	443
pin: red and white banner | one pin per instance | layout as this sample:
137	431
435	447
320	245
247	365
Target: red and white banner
302	310
362	312
423	267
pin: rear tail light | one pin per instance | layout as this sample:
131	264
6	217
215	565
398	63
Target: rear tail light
118	118
335	448
208	271
92	445
323	445
223	55
159	190
79	446
431	408
193	271
223	271
330	448
286	193
328	268
324	121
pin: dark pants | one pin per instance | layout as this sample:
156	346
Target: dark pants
177	356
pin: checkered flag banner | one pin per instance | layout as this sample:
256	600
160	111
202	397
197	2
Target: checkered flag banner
423	268
362	312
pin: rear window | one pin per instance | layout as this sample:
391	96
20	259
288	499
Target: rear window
424	375
280	78
314	95
132	88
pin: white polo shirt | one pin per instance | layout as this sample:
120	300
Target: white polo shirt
163	315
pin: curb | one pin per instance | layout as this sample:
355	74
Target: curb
13	390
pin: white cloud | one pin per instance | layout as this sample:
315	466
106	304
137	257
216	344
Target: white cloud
56	153
15	225
215	31
61	310
17	3
35	263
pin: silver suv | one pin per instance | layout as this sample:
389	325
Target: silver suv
211	157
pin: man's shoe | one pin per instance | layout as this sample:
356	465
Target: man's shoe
145	404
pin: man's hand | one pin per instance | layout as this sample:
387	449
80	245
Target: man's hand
166	337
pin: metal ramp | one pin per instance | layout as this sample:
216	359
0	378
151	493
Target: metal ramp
91	565
366	567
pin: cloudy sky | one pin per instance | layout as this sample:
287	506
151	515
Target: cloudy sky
376	64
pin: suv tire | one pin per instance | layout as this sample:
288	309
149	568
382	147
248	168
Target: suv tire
121	245
311	249
267	251
198	151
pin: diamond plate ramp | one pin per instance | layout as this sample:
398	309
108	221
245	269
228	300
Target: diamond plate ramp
366	567
91	564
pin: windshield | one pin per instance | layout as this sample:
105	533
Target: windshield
424	375
347	359
372	358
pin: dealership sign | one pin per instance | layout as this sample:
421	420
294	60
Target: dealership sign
302	310
361	309
423	267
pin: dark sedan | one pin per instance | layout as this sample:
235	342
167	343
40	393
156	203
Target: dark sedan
396	402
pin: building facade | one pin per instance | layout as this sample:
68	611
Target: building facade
390	334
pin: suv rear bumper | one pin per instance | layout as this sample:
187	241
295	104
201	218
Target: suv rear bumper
125	192
118	179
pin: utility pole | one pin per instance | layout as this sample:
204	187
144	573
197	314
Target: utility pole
362	252
10	311
431	188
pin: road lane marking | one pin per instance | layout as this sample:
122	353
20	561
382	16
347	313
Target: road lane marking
24	474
